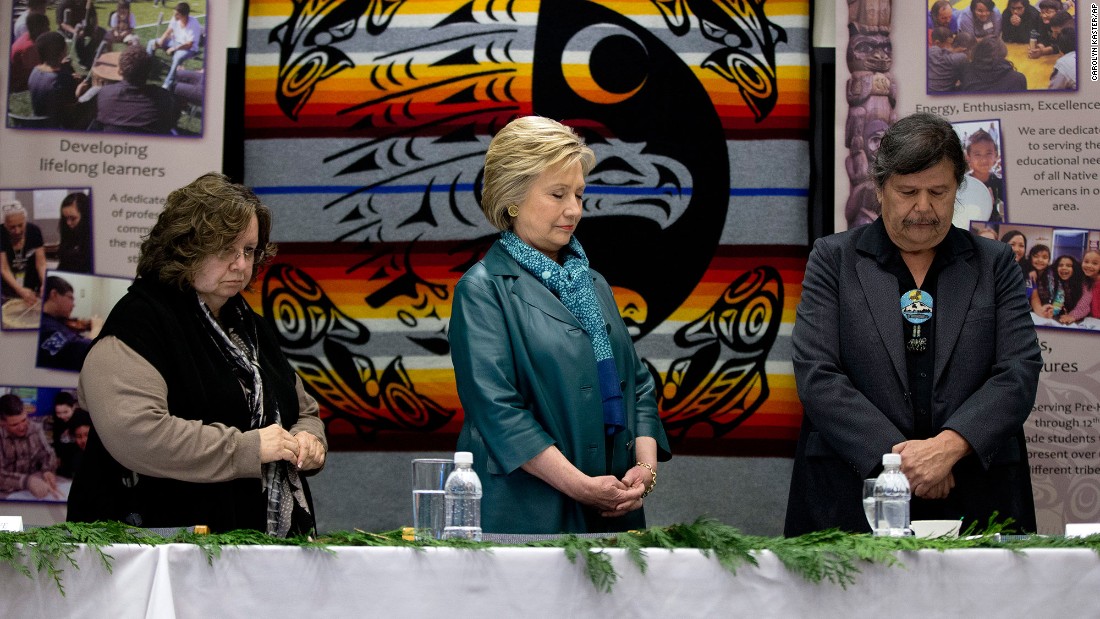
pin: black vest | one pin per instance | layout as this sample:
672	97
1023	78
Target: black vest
165	327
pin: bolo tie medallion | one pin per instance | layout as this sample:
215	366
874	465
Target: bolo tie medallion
916	308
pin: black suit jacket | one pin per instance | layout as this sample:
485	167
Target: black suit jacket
850	371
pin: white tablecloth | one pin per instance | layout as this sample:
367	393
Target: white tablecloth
265	582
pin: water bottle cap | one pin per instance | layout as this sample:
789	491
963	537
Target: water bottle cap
887	460
464	457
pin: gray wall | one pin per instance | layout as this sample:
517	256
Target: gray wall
372	491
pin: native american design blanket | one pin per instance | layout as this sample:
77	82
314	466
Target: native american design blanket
366	127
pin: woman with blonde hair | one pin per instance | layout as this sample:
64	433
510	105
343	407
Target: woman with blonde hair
560	412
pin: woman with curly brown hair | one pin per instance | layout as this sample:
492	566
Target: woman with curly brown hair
198	417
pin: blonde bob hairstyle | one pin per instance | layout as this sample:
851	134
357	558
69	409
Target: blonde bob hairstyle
198	221
518	153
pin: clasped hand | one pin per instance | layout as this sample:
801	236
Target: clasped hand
615	497
303	449
927	463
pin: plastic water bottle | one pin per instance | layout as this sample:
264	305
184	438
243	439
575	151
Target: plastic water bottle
462	500
892	499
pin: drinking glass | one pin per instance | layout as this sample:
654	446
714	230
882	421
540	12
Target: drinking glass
869	502
428	477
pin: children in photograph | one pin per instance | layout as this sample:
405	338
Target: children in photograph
78	21
81	427
133	105
53	85
60	346
1047	10
27	461
24	55
1064	76
1038	258
1019	20
982	19
1051	28
121	25
34	7
190	87
60	428
982	160
1058	290
990	71
180	41
945	63
964	44
1082	309
1018	242
1090	267
74	251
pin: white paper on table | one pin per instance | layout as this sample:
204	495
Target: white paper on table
1082	529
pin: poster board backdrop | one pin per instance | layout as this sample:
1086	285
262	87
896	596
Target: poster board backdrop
366	127
125	175
1046	139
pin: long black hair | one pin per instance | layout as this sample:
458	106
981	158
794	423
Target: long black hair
74	252
1073	287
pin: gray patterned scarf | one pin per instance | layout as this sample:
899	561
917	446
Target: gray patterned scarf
238	345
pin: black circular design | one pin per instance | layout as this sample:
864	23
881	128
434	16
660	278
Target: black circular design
619	63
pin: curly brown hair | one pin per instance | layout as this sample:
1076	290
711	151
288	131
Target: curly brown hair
135	65
198	221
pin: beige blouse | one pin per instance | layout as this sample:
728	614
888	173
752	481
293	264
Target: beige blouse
128	402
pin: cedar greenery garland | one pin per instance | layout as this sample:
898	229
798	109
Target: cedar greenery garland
830	555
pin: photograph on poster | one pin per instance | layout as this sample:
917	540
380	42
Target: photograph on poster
74	306
108	66
44	228
1060	267
981	196
43	433
1000	46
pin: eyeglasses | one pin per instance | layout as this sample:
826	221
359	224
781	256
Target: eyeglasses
230	255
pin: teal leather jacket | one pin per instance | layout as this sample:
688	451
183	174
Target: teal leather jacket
526	376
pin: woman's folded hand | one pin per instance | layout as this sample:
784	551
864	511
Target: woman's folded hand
613	497
277	444
311	453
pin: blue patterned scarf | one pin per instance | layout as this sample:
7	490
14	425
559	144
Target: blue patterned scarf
572	284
